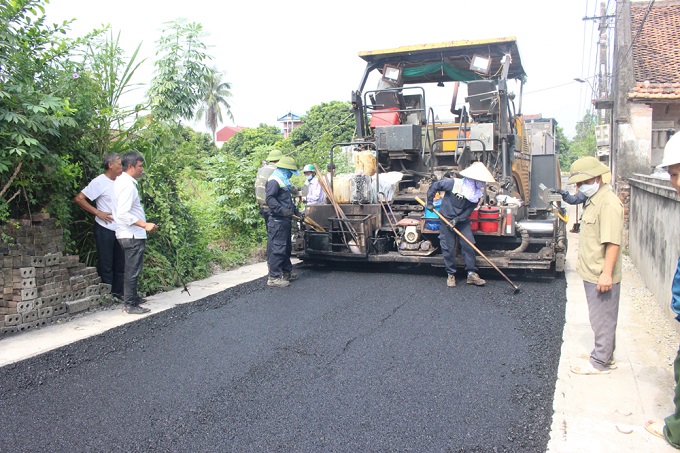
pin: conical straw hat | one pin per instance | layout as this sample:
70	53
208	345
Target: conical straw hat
478	172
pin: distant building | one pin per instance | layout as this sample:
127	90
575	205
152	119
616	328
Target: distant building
224	134
290	121
647	86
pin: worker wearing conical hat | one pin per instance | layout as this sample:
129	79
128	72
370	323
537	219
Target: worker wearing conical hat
461	197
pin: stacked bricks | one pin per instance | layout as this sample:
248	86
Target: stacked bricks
40	284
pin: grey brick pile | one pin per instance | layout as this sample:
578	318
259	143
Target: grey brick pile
41	284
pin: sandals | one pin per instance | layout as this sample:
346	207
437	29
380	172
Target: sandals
588	370
611	365
655	428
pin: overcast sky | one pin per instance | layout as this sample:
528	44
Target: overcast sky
283	56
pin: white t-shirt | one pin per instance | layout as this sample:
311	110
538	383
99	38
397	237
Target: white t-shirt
100	190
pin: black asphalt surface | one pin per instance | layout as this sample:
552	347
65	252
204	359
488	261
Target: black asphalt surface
342	360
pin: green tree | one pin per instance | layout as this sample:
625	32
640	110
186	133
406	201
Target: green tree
30	109
33	108
247	141
182	74
113	72
562	148
216	95
583	143
322	126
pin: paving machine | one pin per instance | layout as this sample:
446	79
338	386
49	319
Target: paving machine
402	145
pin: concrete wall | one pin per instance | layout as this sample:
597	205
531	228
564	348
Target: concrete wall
635	142
654	234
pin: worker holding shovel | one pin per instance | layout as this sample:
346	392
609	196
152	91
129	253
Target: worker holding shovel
461	197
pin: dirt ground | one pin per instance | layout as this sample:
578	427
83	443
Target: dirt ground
662	329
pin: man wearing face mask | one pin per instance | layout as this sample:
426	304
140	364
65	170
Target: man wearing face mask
461	197
281	208
315	194
599	259
579	197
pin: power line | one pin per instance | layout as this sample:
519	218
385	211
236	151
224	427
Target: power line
548	88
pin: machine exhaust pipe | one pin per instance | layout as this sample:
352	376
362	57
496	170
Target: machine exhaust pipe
537	227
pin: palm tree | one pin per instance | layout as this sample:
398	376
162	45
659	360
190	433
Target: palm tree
216	95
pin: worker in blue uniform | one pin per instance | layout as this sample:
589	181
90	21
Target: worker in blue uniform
461	197
281	209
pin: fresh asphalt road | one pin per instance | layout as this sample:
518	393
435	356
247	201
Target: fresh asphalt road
342	360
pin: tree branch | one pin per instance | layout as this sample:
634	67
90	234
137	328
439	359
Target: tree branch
11	179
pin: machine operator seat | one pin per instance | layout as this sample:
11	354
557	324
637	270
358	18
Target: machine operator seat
482	95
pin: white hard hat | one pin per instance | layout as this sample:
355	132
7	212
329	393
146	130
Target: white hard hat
671	152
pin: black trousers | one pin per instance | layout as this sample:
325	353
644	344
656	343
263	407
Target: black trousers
110	259
279	246
134	259
448	240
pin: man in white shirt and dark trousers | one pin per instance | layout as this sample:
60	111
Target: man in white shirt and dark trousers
131	228
110	257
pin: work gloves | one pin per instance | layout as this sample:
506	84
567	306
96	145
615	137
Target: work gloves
562	192
430	206
286	212
453	223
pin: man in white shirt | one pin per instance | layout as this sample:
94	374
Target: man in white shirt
131	228
315	194
110	257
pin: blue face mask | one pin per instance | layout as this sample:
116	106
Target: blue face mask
310	177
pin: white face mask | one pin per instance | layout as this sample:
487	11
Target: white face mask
589	189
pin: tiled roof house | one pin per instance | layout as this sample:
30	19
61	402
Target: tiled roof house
653	96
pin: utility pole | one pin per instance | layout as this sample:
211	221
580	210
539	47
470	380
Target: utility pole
622	82
602	102
603	74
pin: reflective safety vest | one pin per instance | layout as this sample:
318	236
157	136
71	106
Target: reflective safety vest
263	174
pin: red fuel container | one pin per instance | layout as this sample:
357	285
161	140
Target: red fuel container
474	225
493	215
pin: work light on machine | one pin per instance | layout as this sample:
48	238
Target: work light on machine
392	74
480	64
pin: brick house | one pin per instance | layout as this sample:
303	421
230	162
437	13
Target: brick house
646	86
